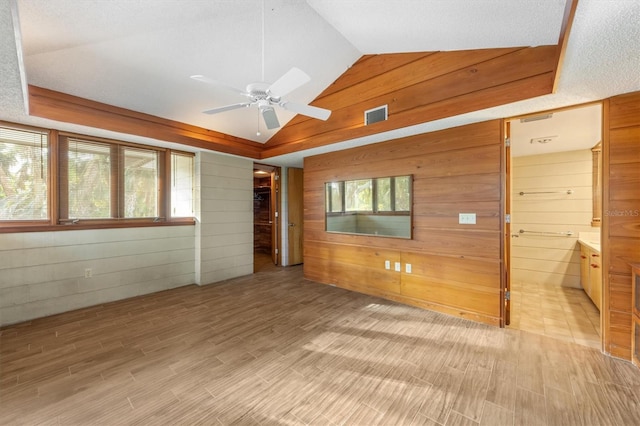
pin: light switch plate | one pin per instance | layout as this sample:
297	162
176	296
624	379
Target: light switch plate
467	218
407	268
397	265
387	264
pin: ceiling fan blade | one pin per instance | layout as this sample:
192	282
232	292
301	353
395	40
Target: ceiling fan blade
290	81
270	118
226	108
308	110
208	80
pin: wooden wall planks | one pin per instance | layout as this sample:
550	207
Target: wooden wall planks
621	216
456	269
419	88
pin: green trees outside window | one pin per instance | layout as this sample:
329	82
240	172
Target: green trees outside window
69	179
24	175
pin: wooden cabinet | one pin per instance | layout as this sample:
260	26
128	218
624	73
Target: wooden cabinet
591	273
595	278
584	268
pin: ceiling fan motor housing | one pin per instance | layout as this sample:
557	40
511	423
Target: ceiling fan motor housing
260	92
263	104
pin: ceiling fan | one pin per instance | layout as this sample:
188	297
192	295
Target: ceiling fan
266	96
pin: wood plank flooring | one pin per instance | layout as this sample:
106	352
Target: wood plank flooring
273	348
560	312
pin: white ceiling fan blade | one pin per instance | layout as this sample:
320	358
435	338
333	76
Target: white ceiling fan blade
292	79
208	80
226	108
270	117
308	110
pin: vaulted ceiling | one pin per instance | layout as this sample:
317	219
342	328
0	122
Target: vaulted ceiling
123	67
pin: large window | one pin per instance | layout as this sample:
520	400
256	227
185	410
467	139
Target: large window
108	180
90	182
24	175
140	182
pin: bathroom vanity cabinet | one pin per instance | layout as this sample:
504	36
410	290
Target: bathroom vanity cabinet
591	273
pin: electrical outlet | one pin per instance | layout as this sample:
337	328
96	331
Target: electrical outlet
407	268
387	264
467	218
397	265
88	273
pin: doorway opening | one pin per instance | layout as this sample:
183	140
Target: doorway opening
266	201
554	200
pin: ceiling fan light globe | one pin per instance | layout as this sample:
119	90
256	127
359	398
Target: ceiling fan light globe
273	99
270	118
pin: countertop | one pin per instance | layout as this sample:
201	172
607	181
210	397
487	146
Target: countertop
590	239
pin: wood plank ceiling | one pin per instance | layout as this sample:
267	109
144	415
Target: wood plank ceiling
417	87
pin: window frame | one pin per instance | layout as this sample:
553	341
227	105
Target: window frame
57	189
34	222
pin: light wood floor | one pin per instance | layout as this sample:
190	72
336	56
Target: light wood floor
273	348
561	312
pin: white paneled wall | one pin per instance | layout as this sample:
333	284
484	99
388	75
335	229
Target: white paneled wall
43	273
552	260
224	212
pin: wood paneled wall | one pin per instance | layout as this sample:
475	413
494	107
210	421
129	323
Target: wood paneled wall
621	217
419	87
456	268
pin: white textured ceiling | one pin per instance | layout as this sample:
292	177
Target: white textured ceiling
383	26
138	54
567	130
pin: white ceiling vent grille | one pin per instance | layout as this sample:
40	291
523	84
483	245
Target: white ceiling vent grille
374	115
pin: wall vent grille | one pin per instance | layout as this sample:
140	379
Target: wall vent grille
375	115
